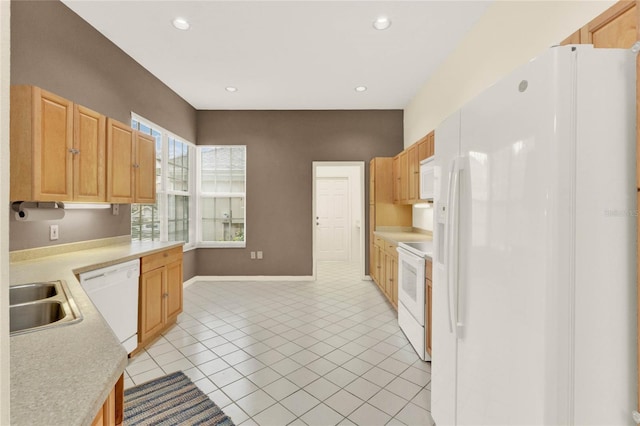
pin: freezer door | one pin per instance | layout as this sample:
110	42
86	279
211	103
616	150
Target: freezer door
515	202
443	360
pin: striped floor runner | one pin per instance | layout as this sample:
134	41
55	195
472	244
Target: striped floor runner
171	400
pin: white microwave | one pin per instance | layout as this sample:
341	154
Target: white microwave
426	179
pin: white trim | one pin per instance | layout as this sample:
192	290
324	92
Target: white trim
262	278
190	281
5	69
363	210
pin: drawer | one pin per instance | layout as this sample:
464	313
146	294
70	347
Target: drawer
156	260
379	241
390	248
428	269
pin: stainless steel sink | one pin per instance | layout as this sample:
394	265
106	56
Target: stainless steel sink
32	315
38	306
31	292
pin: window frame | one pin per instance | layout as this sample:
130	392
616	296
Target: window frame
163	192
201	195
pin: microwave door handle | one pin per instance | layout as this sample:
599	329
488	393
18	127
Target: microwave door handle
447	243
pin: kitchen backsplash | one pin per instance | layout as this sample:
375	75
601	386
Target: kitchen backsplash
76	226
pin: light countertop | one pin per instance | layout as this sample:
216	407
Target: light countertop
62	375
398	236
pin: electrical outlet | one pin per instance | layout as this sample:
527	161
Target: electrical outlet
53	232
259	255
253	255
115	209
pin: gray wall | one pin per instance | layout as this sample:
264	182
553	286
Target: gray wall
77	225
281	146
53	48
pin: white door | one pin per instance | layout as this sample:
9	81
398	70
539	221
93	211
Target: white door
332	219
512	352
444	340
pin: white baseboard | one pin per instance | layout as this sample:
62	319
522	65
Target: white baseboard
216	278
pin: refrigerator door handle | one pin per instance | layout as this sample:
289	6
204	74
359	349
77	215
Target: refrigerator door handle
448	241
455	259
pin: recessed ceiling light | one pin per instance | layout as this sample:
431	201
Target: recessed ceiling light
361	88
181	24
382	23
231	89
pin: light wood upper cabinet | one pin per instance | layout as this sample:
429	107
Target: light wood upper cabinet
403	175
426	146
61	151
397	181
617	27
382	212
406	170
145	169
413	174
120	161
89	130
41	145
130	165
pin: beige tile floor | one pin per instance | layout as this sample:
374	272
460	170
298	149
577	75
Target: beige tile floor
277	353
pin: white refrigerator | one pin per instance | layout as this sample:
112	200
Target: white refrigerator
534	300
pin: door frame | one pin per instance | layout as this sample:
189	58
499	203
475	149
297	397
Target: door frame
360	165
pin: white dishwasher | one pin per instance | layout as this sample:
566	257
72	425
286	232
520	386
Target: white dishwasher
114	292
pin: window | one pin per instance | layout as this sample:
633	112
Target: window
221	195
213	210
169	218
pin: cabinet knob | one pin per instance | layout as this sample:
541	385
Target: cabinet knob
166	254
165	295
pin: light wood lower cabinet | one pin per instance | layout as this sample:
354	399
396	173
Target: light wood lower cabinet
386	267
112	411
160	293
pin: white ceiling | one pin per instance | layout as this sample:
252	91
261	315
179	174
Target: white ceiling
286	54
